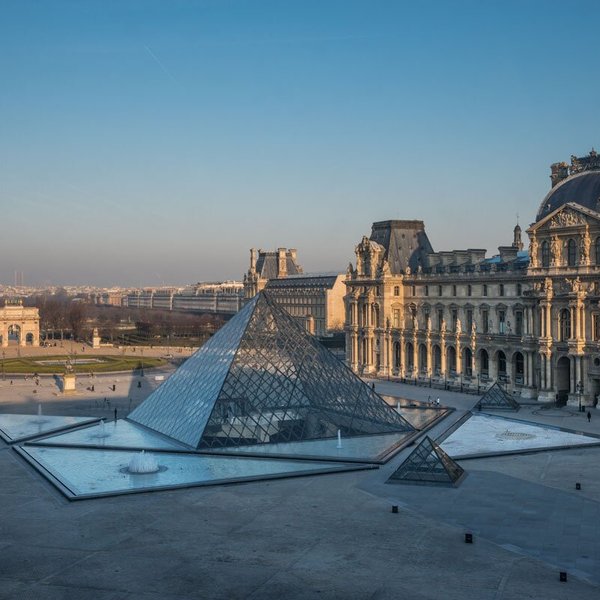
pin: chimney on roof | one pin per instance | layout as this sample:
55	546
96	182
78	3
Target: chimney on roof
252	259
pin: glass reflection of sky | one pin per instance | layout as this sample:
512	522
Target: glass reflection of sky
91	471
119	434
14	428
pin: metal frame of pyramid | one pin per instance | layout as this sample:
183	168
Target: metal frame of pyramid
261	379
497	398
428	464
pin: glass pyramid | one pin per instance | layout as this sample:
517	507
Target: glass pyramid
262	379
428	463
497	398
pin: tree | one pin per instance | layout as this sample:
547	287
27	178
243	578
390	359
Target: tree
76	318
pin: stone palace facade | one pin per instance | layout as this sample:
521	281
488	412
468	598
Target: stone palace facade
528	319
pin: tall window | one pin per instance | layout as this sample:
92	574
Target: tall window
571	253
454	318
469	322
485	321
519	322
485	362
396	317
485	289
454	290
565	324
396	290
414	291
596	327
519	289
427	290
545	254
440	318
501	289
501	321
469	290
439	290
501	364
598	250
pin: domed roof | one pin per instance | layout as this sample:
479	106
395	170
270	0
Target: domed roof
581	188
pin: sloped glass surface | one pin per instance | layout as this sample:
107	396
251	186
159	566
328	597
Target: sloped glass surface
497	398
120	434
428	463
180	407
283	386
14	428
88	472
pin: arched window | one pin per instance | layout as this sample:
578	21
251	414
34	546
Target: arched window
571	253
501	364
422	358
467	362
410	357
484	363
451	358
519	368
565	324
396	355
545	254
437	359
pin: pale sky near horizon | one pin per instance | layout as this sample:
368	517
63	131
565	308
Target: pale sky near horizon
145	142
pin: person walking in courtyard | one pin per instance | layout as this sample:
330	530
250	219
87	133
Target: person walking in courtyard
589	416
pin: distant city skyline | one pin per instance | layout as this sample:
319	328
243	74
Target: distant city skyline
152	142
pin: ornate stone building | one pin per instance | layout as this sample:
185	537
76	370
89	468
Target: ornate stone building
528	319
315	300
265	265
19	324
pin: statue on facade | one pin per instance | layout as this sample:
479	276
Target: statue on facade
555	250
548	286
443	327
458	327
584	247
533	251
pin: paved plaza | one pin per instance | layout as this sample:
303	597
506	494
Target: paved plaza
327	536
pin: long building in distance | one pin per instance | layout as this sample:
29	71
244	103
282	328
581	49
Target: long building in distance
528	319
223	298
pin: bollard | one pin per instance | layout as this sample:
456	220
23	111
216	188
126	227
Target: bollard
394	509
468	538
563	576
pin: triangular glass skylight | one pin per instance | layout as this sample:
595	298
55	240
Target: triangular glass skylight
497	398
426	464
262	379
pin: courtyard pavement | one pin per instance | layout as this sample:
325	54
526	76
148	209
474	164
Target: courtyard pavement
330	536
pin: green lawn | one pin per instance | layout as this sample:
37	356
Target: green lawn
56	364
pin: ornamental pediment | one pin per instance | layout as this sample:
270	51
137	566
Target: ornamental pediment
569	215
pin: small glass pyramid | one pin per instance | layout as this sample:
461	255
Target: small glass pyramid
428	464
262	379
497	398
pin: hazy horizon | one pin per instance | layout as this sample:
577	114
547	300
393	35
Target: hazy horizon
150	142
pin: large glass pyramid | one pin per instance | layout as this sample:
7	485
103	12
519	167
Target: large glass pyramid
261	379
426	464
497	398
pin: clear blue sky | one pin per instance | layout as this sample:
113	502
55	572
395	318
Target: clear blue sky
148	141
